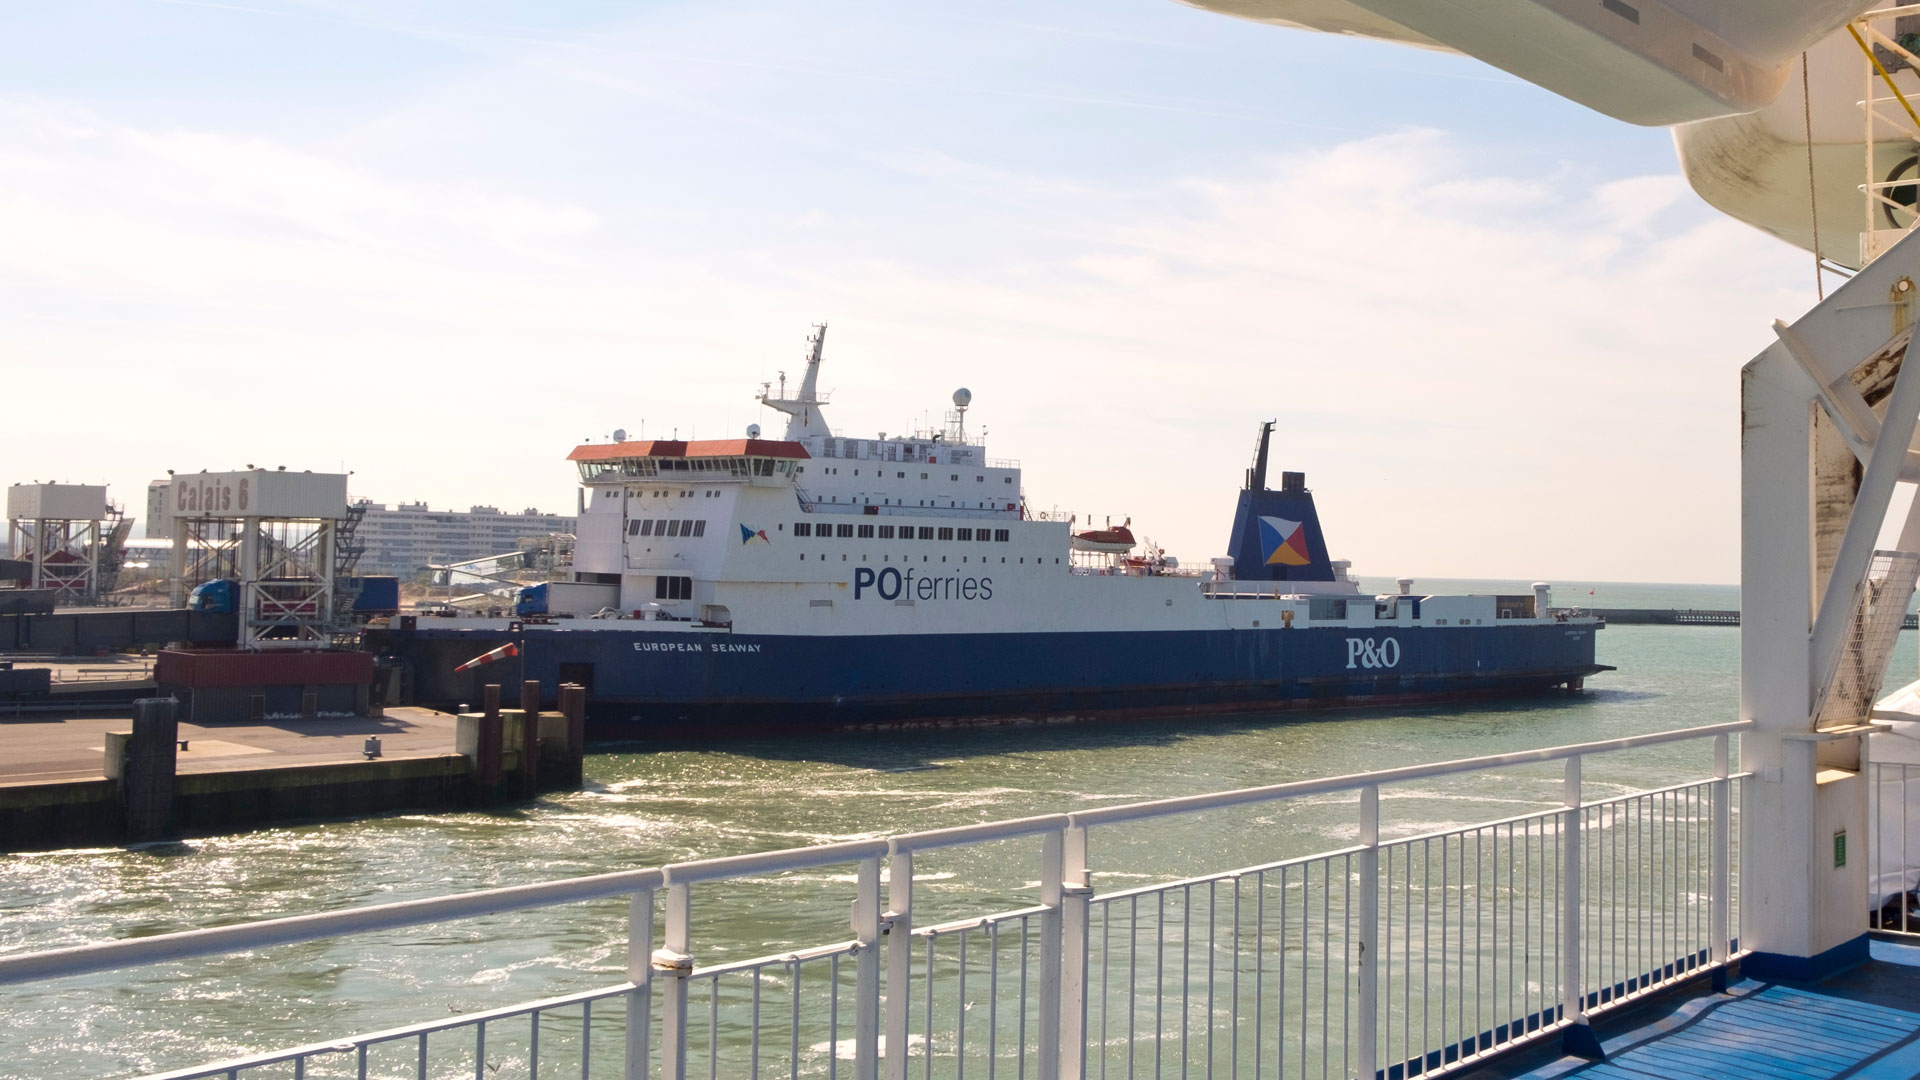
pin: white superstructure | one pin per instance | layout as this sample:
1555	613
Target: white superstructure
828	534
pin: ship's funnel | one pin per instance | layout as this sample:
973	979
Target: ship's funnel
1276	534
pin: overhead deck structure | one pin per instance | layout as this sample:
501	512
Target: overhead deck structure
280	536
69	534
1807	125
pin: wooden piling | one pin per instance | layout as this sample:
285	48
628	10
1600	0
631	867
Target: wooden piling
492	738
573	704
530	737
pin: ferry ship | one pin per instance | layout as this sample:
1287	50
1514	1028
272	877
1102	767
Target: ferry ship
824	581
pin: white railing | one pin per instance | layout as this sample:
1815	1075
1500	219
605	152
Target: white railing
1893	847
1403	957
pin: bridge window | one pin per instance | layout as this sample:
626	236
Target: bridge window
1514	607
700	527
866	532
633	528
886	532
845	532
802	528
659	526
1323	607
672	588
926	532
1000	535
946	533
966	534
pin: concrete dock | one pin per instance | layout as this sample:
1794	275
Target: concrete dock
38	750
92	780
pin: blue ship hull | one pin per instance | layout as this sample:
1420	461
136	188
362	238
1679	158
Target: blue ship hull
678	685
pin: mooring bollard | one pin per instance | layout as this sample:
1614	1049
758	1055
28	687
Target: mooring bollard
146	778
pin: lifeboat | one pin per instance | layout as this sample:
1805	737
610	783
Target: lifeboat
1112	541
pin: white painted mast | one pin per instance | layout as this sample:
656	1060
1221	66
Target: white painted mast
803	410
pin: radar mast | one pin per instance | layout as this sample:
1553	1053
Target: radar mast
803	409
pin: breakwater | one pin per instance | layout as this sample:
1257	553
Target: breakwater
1688	617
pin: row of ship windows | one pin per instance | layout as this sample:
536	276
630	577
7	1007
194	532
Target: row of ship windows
656	466
830	471
905	532
667	527
857	500
928	558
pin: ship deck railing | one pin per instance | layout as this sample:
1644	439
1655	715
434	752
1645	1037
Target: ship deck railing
1391	956
810	505
1893	849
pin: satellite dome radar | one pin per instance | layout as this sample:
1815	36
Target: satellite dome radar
620	434
753	431
963	397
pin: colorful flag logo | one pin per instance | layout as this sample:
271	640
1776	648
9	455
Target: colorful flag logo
1283	542
748	535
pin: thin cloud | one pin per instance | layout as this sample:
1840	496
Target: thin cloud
1483	373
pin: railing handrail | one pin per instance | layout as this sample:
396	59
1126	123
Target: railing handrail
1187	804
240	937
930	839
773	862
292	929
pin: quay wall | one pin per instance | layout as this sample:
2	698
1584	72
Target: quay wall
501	756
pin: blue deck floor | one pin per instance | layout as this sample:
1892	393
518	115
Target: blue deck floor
1864	1023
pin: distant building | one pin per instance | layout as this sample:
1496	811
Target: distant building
159	513
410	537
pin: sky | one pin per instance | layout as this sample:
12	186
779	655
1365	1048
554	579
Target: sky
440	242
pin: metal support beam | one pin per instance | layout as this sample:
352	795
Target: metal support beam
1809	521
1863	528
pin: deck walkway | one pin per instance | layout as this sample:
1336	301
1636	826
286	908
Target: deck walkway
1862	1024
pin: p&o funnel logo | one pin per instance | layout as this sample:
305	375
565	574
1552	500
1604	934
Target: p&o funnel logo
748	535
1283	542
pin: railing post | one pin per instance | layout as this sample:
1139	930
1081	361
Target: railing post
1076	904
1367	954
1579	1038
640	973
676	960
866	931
899	920
1722	851
1052	859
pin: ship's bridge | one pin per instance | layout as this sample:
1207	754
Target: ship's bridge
709	460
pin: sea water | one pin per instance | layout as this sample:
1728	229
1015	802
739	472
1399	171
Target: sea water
643	808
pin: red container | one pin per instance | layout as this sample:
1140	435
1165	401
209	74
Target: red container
207	670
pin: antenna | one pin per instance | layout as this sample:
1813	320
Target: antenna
962	398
